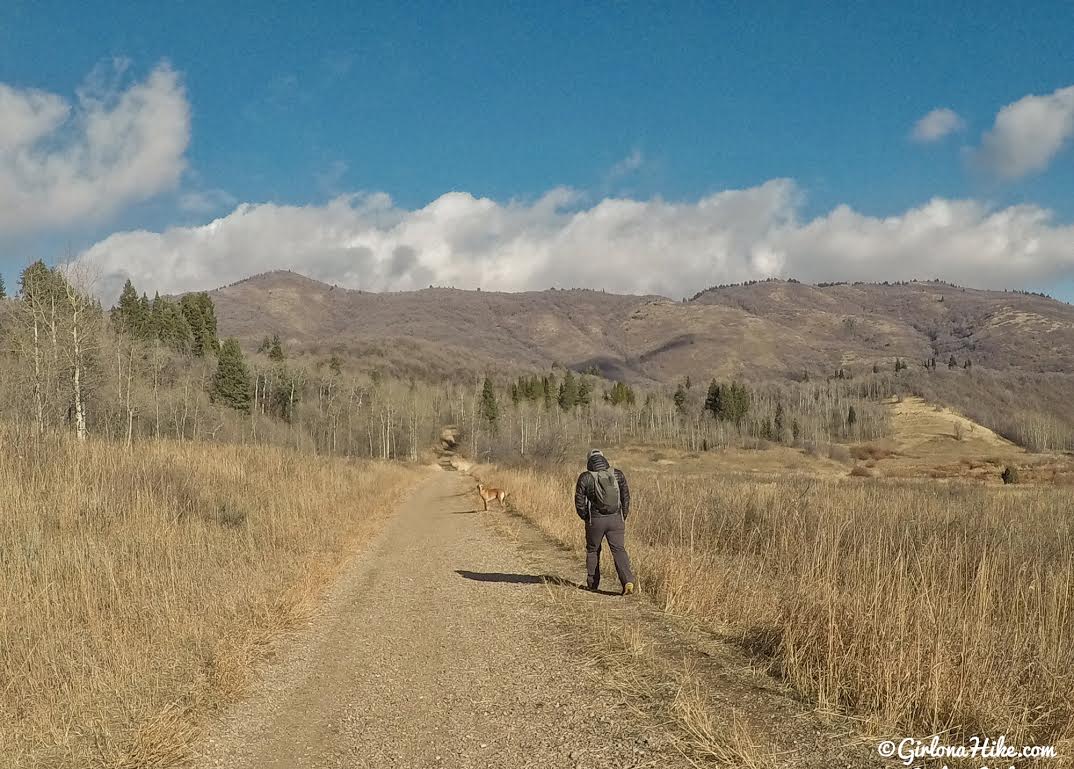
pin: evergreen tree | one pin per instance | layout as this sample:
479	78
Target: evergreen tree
3	288
779	421
170	325
585	389
712	399
534	388
231	382
515	395
852	417
876	369
263	348
130	315
952	363
284	393
740	401
729	403
275	352
201	318
547	388
156	316
43	287
568	392
335	365
680	399
796	429
126	308
490	410
621	394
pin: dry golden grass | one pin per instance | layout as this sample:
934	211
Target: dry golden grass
918	606
138	590
931	441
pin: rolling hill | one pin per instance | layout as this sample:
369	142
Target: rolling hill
770	329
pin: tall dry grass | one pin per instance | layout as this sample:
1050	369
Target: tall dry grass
920	607
137	590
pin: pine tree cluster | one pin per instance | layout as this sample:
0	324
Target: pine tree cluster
188	325
620	394
728	402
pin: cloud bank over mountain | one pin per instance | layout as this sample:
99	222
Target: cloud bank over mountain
623	245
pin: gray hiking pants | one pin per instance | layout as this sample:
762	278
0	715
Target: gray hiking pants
596	529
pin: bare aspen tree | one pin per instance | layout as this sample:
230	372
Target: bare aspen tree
413	425
158	359
82	326
125	371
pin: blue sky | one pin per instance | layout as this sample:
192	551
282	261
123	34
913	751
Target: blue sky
302	103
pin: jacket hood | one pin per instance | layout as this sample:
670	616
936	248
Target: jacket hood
596	461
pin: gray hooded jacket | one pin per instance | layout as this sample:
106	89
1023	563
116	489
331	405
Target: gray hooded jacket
584	490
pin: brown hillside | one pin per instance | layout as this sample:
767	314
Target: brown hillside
995	329
772	328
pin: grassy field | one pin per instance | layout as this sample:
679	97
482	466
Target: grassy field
919	606
138	590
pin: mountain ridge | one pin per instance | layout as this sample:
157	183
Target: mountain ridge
771	328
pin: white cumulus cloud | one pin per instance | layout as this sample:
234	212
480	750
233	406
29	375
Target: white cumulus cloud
61	163
1028	134
936	125
619	244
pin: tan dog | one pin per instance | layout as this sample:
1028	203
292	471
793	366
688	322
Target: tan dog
488	493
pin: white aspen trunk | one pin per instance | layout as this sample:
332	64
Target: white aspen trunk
156	397
413	431
76	375
522	431
39	395
473	429
130	409
291	405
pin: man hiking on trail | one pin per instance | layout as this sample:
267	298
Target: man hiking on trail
602	500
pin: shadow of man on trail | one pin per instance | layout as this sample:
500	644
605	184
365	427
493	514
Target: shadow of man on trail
522	579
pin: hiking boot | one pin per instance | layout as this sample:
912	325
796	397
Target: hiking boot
628	588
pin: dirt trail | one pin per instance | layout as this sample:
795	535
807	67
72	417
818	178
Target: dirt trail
443	646
437	649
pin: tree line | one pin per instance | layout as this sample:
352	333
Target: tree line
156	368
